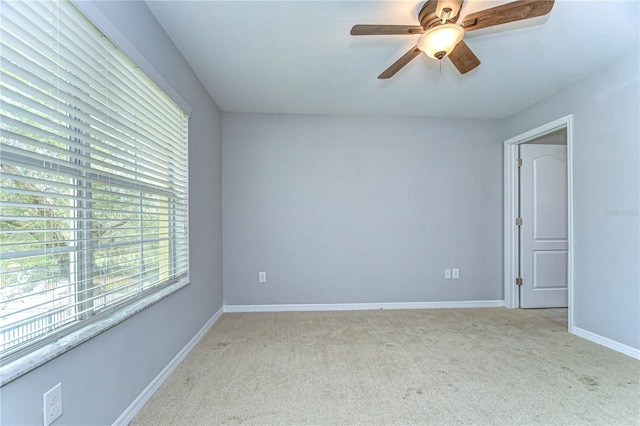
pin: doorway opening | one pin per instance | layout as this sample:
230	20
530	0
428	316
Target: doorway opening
551	256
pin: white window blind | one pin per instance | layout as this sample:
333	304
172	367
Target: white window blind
93	177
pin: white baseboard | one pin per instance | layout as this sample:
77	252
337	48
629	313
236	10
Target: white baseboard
364	306
127	416
611	344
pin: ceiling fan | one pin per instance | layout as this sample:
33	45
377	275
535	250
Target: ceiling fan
442	34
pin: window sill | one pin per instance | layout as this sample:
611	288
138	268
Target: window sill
33	360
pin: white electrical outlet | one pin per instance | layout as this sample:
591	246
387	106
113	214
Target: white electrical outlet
52	404
262	277
447	274
455	273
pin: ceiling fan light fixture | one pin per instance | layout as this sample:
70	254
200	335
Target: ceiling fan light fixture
437	42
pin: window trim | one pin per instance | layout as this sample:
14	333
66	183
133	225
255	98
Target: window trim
34	359
17	367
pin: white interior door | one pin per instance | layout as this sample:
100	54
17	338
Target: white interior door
543	233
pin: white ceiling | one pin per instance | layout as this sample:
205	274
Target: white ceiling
298	57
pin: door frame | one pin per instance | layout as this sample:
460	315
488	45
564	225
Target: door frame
511	299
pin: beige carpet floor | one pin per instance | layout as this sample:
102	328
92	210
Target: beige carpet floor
440	367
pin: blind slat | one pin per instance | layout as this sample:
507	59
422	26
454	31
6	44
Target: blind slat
68	58
116	189
61	168
74	132
82	152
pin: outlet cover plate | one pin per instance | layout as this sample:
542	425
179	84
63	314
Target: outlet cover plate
52	404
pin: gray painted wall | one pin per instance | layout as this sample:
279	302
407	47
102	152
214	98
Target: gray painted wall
606	195
102	377
360	210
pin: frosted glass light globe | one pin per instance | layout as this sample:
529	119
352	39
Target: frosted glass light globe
439	41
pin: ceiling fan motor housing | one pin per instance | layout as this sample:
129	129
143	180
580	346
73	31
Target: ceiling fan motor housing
428	15
448	9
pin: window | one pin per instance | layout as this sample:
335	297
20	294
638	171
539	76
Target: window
93	178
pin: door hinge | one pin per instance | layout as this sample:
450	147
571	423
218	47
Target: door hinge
518	281
518	162
518	221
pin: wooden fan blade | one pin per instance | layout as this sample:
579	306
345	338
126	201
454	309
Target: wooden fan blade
386	29
510	12
463	58
397	65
